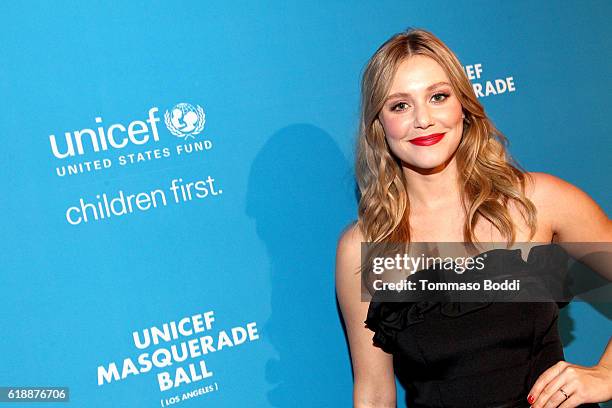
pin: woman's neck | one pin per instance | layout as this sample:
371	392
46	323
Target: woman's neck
433	189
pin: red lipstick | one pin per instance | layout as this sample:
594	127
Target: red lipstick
427	140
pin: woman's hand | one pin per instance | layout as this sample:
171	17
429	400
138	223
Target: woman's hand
568	385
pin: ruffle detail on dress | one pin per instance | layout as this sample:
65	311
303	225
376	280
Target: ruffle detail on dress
456	309
387	319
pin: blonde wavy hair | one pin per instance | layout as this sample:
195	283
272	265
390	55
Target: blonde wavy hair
489	178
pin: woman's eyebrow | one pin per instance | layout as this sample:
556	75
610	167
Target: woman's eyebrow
405	94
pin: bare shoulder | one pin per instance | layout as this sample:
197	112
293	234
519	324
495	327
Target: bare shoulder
350	239
573	214
544	185
348	251
550	191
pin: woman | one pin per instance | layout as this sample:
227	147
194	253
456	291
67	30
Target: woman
431	167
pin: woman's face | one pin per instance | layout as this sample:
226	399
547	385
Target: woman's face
422	117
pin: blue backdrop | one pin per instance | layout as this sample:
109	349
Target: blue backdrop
278	86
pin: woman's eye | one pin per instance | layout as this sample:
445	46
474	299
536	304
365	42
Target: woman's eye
440	97
400	106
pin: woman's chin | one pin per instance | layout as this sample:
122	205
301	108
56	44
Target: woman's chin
427	166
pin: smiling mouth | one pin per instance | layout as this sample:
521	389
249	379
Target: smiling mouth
427	140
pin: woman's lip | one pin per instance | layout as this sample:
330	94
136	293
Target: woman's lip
427	140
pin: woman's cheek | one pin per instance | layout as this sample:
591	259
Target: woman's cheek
395	127
451	115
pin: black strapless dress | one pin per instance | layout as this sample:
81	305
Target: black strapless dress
472	354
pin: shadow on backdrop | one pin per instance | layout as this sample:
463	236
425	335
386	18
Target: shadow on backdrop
300	194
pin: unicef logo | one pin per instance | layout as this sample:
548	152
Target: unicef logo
183	120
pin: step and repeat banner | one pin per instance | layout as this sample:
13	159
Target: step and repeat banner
176	175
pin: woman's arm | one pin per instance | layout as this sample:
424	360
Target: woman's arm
374	380
577	222
575	218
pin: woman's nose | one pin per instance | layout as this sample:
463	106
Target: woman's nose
422	117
